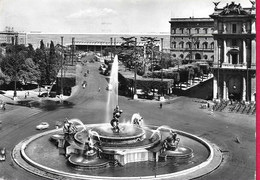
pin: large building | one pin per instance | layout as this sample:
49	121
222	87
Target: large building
191	39
235	52
9	36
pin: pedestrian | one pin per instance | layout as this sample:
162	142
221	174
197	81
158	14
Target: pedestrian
99	89
3	107
160	105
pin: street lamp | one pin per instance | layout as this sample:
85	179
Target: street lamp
161	68
61	78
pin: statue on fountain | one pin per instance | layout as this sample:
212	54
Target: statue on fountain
90	149
137	119
171	142
69	128
115	121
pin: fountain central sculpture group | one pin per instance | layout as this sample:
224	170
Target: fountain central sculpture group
115	121
121	143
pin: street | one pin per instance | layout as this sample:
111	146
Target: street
234	134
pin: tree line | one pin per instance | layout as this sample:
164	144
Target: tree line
24	64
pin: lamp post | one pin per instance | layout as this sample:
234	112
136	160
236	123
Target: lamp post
72	49
247	81
135	95
161	98
61	78
218	88
111	45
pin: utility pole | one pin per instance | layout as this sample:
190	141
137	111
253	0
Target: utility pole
161	68
114	49
247	80
72	49
218	89
111	42
61	78
135	95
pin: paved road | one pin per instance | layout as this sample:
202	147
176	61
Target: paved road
89	105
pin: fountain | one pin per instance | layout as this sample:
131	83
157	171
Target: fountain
94	151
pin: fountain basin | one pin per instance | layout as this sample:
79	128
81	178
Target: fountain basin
38	155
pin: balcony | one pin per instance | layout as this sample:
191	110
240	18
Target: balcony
230	66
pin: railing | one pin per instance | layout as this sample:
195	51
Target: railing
230	66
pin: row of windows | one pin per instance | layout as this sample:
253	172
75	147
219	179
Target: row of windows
197	45
197	56
191	30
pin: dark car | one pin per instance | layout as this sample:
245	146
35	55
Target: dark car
2	154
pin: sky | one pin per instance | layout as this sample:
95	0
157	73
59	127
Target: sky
102	16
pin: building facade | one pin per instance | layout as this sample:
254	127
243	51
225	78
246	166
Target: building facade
191	39
235	52
11	37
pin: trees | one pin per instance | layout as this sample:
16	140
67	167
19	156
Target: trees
48	61
13	62
24	64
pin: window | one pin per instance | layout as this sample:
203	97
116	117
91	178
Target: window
181	56
188	45
205	57
205	45
189	30
197	45
234	58
174	44
212	45
234	28
181	44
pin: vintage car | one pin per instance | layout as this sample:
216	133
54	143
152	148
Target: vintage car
43	125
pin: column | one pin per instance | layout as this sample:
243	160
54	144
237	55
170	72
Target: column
219	53
253	52
224	88
244	89
253	87
215	87
225	50
253	27
244	52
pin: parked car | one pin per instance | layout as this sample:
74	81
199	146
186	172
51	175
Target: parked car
43	125
2	154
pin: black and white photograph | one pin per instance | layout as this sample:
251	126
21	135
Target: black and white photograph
128	89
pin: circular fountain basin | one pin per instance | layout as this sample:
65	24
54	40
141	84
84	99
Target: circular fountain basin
39	155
